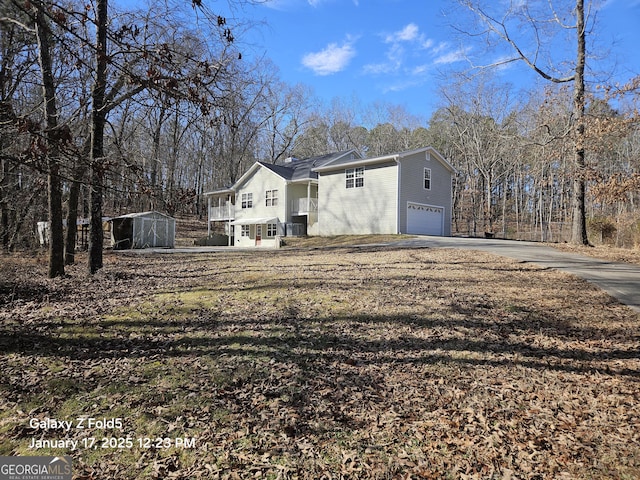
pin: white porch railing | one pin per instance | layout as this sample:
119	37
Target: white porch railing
224	212
304	205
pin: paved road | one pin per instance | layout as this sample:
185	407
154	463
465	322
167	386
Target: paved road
620	280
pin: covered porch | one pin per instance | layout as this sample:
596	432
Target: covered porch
258	232
303	208
220	211
220	205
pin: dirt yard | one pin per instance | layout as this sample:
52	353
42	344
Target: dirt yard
325	363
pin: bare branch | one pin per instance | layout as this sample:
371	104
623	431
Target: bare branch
499	27
18	23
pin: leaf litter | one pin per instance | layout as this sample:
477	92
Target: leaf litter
337	363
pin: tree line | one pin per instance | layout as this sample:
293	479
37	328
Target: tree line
104	112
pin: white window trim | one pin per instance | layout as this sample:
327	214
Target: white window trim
245	230
247	200
425	178
271	198
353	176
272	230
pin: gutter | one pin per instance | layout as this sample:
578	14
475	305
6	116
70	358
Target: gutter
356	163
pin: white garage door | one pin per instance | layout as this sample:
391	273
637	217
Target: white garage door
424	219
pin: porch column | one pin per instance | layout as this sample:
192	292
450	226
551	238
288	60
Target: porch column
230	232
208	215
308	200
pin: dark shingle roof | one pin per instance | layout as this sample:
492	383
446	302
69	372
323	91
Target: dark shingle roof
302	169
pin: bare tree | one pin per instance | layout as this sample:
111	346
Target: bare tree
482	126
525	27
98	120
54	136
285	115
18	56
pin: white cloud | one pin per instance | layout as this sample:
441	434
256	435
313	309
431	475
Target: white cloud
407	34
452	57
284	5
411	34
420	70
428	43
378	68
402	84
440	47
398	51
332	59
278	4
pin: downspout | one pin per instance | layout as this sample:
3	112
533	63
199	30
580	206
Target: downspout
229	217
287	208
308	206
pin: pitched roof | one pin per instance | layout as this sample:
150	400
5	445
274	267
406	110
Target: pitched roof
151	213
303	169
347	162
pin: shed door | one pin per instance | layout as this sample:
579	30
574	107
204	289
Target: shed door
149	233
425	219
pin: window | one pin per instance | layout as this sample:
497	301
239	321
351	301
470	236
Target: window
272	230
427	179
272	198
355	177
247	200
245	231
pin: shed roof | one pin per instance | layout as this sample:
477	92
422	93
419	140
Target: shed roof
143	214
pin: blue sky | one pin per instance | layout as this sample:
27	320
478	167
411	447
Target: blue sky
395	51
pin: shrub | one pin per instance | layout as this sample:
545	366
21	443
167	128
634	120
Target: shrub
214	240
603	227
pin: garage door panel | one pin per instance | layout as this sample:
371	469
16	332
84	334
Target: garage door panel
424	219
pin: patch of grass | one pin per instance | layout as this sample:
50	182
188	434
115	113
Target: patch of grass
342	240
360	363
603	252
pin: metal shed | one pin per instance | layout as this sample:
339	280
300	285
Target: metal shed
143	230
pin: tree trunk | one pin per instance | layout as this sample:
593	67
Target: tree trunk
4	204
72	211
579	224
72	216
54	184
98	115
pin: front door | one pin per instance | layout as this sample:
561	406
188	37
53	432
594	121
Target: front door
258	235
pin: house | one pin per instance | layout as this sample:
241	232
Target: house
408	192
271	201
340	193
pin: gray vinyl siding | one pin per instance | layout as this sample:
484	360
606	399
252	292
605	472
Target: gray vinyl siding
369	209
412	187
